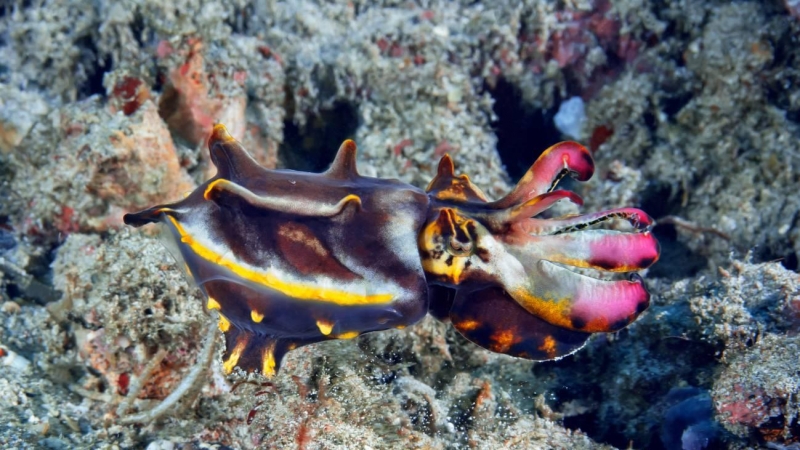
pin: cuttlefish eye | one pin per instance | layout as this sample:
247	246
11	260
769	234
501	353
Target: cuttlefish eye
446	245
462	234
459	248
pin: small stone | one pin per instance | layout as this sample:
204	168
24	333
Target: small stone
570	117
53	444
10	307
15	361
161	445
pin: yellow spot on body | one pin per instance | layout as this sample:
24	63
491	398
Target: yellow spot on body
257	318
236	353
212	304
324	327
503	340
601	324
268	361
224	323
298	291
348	335
505	337
549	346
400	327
468	325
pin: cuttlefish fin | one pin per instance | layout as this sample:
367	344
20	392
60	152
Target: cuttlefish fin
446	185
232	161
344	165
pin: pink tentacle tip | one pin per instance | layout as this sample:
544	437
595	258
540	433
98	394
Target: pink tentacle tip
624	252
612	307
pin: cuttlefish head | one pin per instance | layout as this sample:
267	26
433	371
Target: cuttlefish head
508	251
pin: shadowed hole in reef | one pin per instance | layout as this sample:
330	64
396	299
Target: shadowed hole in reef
672	105
523	132
790	261
784	255
311	148
96	68
677	259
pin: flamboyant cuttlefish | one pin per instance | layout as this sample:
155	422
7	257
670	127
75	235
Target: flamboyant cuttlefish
292	258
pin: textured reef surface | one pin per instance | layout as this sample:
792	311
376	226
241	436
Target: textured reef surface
691	111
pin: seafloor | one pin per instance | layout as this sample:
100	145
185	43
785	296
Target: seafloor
692	112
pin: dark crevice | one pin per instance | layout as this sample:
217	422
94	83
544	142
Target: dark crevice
7	7
779	96
96	68
311	148
677	260
523	132
790	261
674	104
659	200
782	252
650	120
138	31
